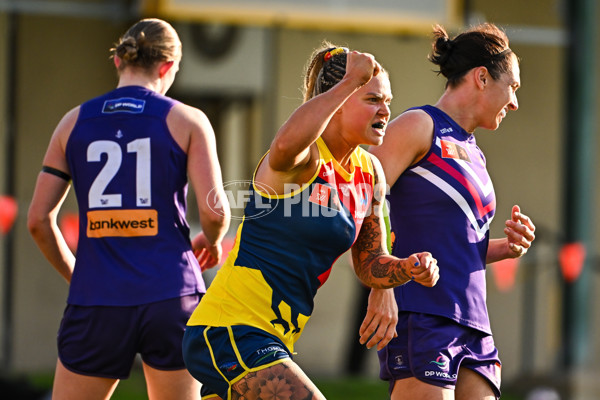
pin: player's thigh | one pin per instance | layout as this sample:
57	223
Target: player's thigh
283	380
69	385
472	386
412	388
171	385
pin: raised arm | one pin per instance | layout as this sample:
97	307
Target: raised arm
290	146
373	264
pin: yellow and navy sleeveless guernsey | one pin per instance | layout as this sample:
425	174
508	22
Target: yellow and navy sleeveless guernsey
285	248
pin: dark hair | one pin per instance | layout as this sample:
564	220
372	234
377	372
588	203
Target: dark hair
482	45
147	42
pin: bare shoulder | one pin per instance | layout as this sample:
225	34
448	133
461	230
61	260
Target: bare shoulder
69	119
55	153
407	139
187	115
187	123
65	126
412	121
411	131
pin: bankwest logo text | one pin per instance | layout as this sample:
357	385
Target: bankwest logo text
104	223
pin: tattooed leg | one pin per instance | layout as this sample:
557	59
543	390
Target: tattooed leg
284	381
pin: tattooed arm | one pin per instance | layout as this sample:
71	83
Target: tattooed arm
373	264
379	270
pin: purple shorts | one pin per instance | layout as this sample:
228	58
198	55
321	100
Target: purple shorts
103	341
432	349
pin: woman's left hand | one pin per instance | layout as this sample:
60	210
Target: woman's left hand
519	231
379	324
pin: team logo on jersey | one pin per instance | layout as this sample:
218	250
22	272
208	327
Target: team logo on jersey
320	195
124	104
325	196
327	170
104	223
454	150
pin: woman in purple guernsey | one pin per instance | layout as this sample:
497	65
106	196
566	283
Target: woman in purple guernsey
442	200
136	276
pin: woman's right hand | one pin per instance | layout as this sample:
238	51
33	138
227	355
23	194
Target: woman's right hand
427	272
208	254
361	67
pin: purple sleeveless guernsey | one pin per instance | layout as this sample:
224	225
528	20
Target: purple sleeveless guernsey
444	204
130	179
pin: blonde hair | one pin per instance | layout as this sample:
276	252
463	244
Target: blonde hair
147	42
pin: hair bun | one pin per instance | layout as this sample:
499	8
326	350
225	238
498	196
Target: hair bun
445	44
128	49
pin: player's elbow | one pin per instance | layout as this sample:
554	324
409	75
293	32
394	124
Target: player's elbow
216	219
36	223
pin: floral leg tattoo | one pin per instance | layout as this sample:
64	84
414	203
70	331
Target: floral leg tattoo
279	382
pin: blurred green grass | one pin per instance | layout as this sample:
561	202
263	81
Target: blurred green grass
343	388
351	388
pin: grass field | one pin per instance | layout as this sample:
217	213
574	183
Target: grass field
349	388
334	389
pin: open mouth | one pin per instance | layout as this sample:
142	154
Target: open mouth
378	125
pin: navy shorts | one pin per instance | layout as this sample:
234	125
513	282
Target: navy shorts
103	341
432	349
218	357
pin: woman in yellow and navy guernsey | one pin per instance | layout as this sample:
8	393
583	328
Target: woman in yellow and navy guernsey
315	194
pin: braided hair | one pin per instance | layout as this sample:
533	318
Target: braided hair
327	67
